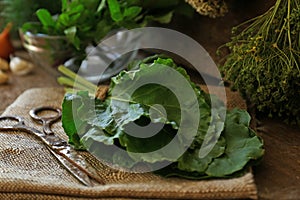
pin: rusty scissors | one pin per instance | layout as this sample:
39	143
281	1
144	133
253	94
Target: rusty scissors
66	155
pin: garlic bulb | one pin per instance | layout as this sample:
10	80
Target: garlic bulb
3	77
20	67
4	65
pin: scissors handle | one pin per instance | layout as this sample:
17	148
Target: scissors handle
46	121
12	126
19	125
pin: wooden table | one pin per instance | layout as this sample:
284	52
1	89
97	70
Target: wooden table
278	176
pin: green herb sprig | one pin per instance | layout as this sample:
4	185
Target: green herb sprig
264	61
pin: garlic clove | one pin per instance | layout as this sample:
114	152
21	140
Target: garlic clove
4	65
3	77
20	67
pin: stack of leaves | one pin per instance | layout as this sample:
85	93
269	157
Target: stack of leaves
99	125
264	61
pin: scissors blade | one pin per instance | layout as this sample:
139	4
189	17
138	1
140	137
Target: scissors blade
74	170
61	148
72	156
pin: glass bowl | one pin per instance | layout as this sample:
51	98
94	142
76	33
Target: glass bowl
45	50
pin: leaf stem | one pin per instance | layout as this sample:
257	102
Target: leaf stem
74	81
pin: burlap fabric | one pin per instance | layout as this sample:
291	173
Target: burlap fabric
29	171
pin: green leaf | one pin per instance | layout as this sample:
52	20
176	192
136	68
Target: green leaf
32	27
102	29
97	135
164	19
76	9
101	6
190	161
71	122
242	145
71	34
64	4
45	18
63	20
103	118
151	94
132	12
115	10
97	143
124	113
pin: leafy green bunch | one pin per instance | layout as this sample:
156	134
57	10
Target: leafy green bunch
99	125
264	61
88	21
20	11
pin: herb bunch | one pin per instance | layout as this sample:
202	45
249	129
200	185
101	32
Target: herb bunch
264	61
20	11
87	22
211	8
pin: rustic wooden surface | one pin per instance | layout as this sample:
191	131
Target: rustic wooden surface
38	78
278	176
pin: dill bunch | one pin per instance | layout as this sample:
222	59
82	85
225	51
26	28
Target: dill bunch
211	8
264	58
